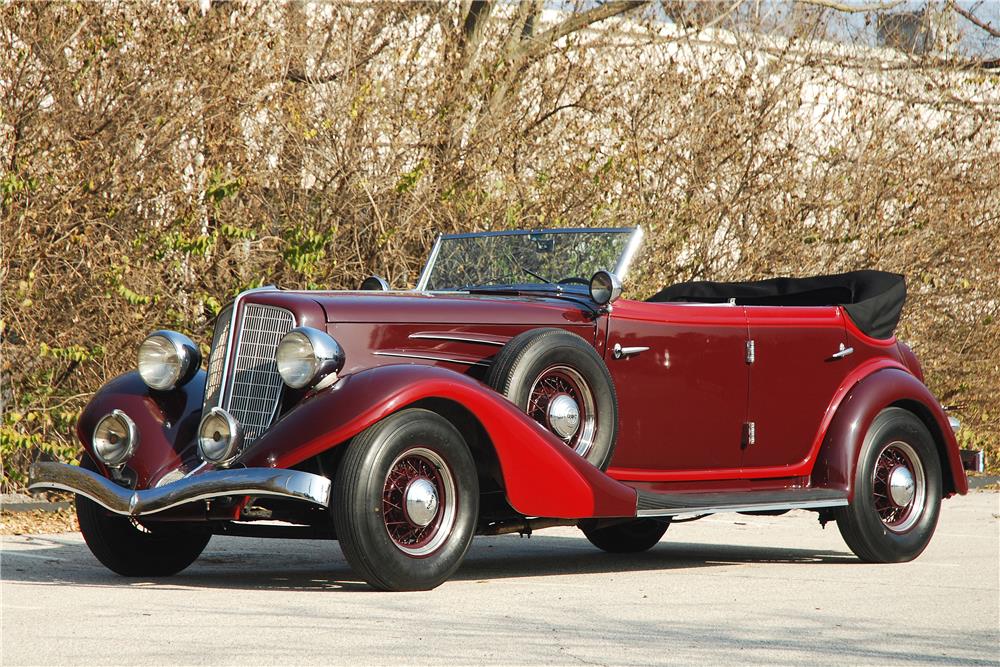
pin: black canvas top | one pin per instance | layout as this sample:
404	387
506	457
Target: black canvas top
873	299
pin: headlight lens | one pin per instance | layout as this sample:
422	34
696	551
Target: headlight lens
168	359
115	438
306	356
219	437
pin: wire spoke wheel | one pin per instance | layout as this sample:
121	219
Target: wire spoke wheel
899	486
561	400
418	502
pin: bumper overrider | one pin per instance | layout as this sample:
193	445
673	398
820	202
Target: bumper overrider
261	482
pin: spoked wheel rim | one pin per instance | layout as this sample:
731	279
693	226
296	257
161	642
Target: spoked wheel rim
899	487
561	400
419	502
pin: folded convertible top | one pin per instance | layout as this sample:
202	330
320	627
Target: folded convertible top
872	299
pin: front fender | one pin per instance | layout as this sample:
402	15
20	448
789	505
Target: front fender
167	422
542	477
883	388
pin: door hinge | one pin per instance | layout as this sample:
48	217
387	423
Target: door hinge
751	352
749	433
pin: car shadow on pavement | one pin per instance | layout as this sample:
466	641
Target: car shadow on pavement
247	563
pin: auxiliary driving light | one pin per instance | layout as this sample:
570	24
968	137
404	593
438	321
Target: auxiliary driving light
219	437
115	438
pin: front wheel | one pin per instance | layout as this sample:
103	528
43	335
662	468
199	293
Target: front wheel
406	501
897	491
132	549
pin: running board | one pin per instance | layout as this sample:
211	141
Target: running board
672	504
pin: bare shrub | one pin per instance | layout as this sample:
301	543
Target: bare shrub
158	158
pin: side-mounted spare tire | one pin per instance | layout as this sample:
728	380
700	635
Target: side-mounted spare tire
562	383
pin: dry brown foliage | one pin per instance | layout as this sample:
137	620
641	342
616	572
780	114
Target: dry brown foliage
159	157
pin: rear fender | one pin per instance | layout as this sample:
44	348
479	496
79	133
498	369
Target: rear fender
541	475
887	387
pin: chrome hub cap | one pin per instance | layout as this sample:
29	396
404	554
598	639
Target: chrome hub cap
564	416
421	501
901	486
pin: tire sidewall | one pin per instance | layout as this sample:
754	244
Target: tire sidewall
561	348
397	434
893	425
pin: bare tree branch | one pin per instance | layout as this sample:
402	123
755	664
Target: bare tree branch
973	19
852	9
537	45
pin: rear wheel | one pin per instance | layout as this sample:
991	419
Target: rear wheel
134	549
563	384
406	501
897	491
627	537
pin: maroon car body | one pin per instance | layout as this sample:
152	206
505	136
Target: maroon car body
720	407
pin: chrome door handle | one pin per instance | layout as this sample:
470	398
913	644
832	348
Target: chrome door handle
843	352
618	351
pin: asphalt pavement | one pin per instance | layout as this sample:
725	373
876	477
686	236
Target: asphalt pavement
728	589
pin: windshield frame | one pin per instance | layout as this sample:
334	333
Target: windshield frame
621	268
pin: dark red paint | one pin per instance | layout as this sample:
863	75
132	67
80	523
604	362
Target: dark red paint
683	403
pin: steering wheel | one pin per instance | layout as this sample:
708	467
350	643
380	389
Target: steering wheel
574	280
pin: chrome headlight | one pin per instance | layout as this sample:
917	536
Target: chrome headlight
168	359
115	438
219	437
306	356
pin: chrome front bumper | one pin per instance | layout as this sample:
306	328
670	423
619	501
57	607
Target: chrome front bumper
269	482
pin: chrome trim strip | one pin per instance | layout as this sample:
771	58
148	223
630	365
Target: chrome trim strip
273	482
634	241
802	504
407	355
463	338
425	275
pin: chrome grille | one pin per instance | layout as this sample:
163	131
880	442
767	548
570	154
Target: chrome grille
217	360
254	385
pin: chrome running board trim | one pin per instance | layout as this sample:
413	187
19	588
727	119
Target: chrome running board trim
803	505
270	482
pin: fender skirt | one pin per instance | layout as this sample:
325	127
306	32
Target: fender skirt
838	457
542	476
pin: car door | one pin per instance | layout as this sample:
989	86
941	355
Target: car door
798	364
682	381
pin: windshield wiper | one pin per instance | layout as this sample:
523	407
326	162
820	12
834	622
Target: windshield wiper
526	270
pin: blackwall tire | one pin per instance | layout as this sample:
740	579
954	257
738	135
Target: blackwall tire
393	544
628	537
537	367
885	523
131	549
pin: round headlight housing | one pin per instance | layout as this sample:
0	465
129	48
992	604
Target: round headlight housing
219	437
168	359
115	438
605	288
307	356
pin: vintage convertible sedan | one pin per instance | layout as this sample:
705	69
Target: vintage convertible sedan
511	390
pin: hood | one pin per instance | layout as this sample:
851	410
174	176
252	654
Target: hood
451	308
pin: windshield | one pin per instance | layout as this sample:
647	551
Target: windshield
555	256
